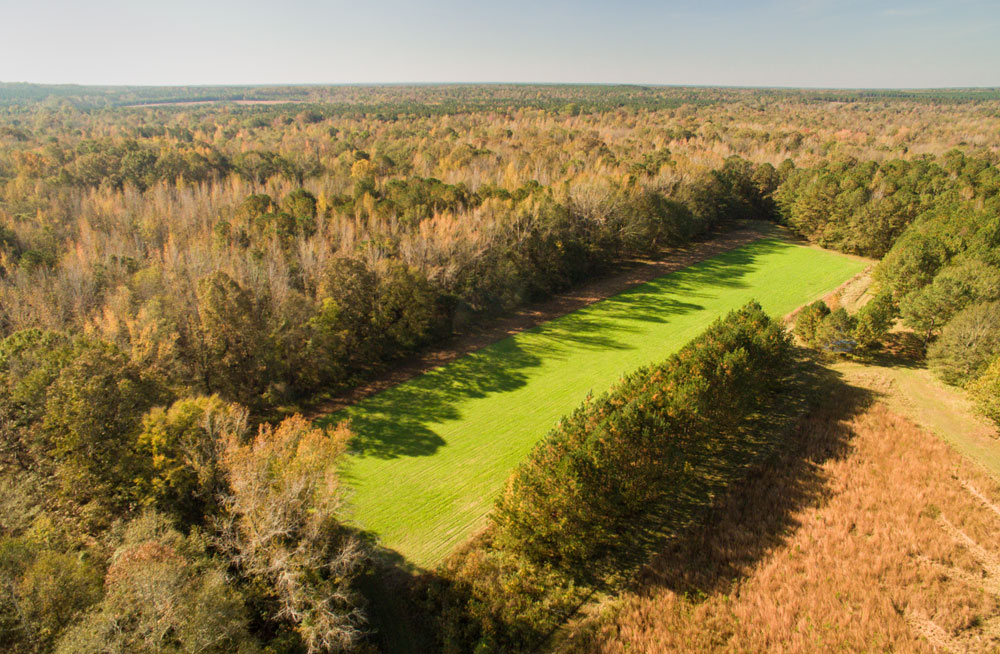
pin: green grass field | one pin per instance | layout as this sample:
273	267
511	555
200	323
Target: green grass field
431	454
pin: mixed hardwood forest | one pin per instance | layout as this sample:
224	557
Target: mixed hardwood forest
182	270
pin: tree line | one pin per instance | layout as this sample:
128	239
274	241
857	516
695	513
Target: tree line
261	309
619	474
935	225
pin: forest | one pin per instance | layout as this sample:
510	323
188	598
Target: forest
186	272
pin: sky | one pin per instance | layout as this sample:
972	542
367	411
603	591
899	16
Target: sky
801	43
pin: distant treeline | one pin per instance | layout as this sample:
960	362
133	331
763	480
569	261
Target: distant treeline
452	98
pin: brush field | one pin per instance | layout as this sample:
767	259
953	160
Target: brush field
869	535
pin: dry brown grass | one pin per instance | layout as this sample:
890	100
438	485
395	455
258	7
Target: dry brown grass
870	536
852	294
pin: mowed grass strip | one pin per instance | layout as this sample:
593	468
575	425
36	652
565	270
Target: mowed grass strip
430	455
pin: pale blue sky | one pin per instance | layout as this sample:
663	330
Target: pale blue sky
818	43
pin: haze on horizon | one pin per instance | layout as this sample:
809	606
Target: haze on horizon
807	43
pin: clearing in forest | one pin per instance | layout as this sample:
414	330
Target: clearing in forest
431	454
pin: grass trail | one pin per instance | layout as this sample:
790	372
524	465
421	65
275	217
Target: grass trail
941	409
431	454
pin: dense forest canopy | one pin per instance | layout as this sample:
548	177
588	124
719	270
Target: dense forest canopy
182	267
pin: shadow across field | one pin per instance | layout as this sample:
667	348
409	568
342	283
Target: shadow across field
397	619
397	422
697	542
400	421
756	515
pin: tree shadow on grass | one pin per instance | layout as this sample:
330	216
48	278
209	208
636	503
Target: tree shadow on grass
698	541
397	622
400	421
677	292
724	269
599	326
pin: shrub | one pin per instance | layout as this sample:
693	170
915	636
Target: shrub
986	391
835	333
808	321
967	343
874	320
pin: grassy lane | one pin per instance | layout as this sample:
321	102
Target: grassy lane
431	454
914	392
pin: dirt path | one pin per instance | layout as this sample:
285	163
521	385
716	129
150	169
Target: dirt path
628	274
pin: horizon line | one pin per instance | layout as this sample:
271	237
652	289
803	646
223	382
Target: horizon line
762	87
